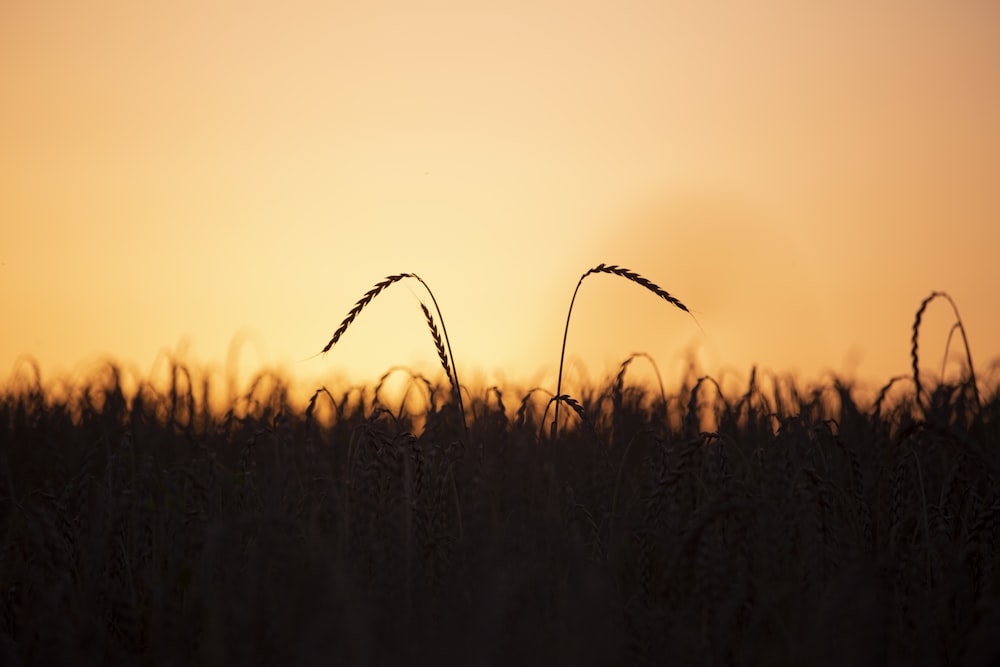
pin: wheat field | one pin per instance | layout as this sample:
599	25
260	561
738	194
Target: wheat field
786	524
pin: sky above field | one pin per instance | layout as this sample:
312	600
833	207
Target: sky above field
213	180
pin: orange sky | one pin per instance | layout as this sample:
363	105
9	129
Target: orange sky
175	173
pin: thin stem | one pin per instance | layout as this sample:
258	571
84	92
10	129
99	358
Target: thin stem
624	273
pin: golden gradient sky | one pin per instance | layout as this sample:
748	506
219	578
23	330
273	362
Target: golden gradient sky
800	174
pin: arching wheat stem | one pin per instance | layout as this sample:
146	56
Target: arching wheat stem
439	344
914	347
628	275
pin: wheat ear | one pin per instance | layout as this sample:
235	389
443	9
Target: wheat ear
628	275
360	305
442	352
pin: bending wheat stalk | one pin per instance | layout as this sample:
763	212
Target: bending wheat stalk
914	353
439	344
628	275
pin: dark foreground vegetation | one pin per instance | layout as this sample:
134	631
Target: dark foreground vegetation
787	526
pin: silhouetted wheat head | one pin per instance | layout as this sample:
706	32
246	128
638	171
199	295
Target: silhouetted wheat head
574	404
360	305
628	275
639	280
438	343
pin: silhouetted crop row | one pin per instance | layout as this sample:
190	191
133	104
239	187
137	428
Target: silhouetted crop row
786	525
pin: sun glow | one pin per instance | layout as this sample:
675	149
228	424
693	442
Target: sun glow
800	176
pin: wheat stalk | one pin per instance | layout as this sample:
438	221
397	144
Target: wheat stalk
619	383
877	405
441	341
312	403
628	275
691	422
965	341
522	411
